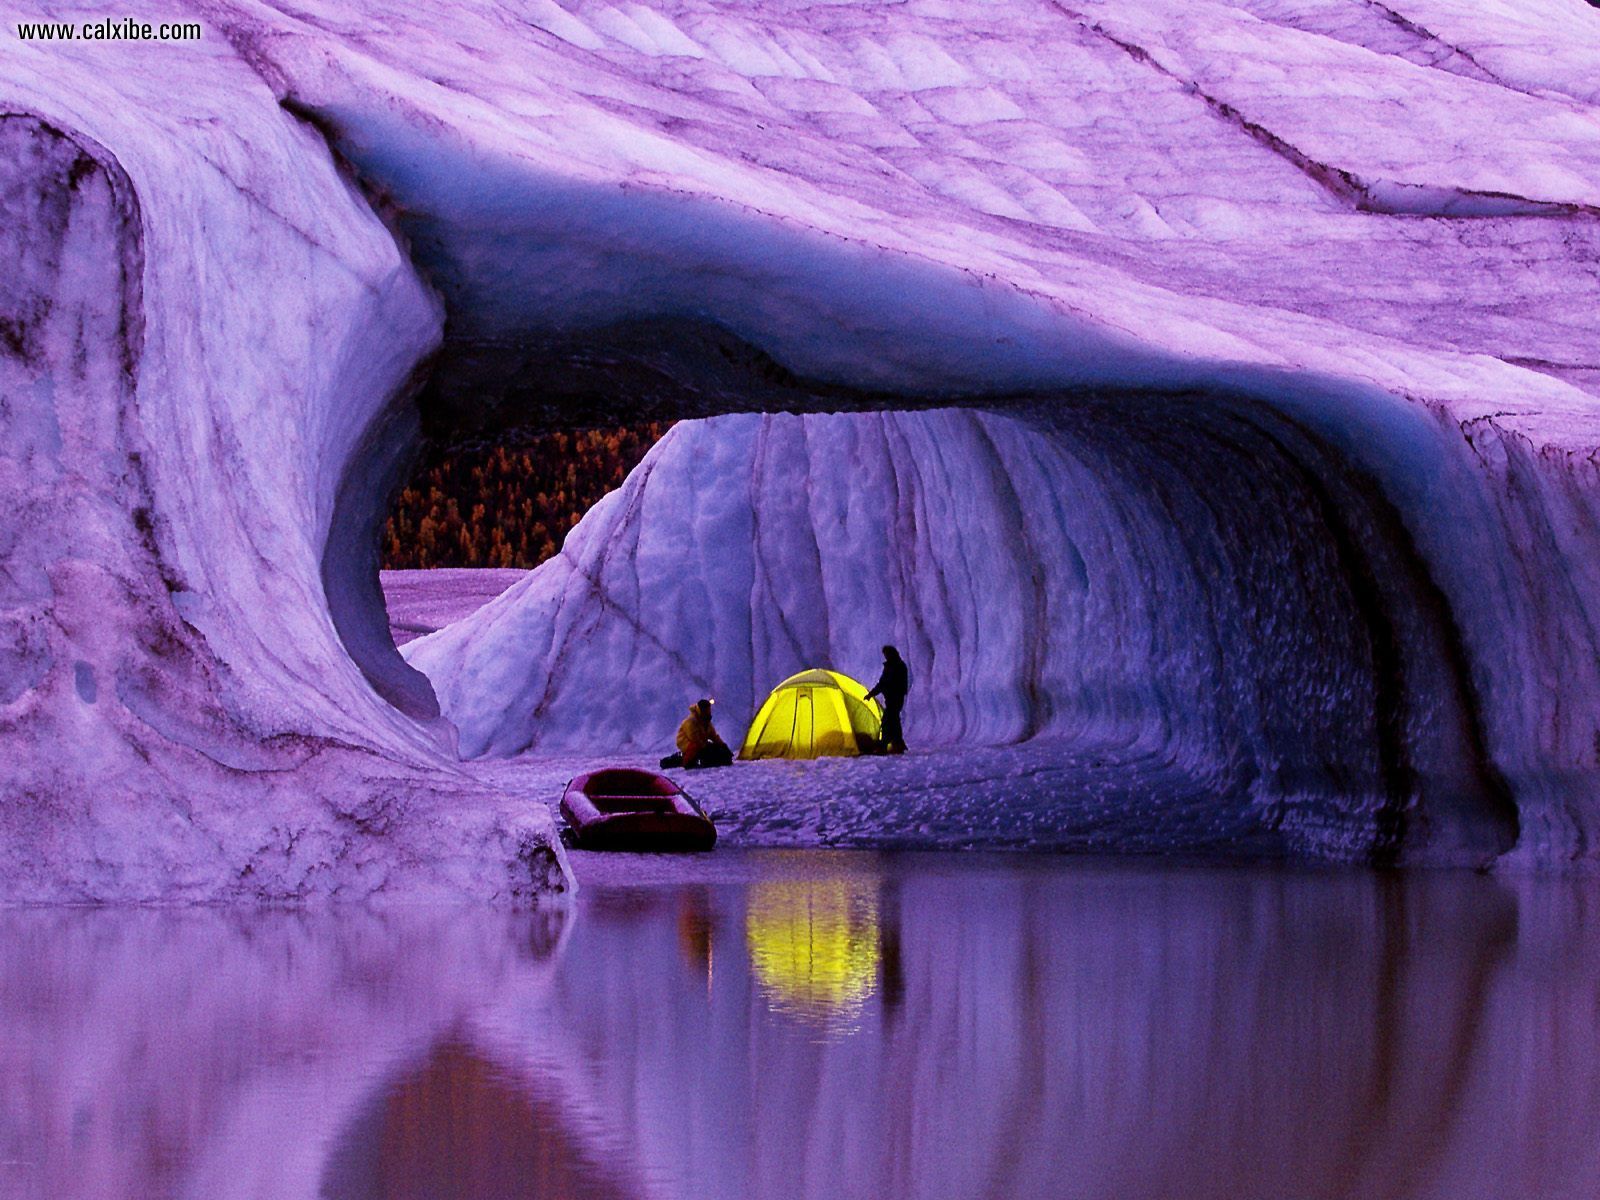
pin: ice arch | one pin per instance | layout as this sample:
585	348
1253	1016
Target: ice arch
1192	578
236	268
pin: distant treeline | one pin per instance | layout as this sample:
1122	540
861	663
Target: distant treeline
510	508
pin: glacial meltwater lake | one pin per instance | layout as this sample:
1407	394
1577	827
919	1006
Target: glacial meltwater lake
753	1025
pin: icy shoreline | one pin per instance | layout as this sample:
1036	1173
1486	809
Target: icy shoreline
424	602
1044	797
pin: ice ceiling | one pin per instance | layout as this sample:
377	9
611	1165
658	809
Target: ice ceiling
1262	332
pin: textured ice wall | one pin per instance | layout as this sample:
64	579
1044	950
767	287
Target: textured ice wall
1378	223
197	330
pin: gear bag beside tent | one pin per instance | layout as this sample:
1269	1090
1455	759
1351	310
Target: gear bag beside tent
814	714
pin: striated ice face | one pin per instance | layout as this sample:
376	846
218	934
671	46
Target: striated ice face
1287	302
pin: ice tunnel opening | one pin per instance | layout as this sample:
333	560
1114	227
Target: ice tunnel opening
1193	575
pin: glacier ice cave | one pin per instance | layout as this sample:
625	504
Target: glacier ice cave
1216	384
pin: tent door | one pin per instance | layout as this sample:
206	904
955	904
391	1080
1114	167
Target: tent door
804	722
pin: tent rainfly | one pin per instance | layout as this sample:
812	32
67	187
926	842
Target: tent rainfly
814	714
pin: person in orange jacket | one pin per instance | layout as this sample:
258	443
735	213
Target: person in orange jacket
699	743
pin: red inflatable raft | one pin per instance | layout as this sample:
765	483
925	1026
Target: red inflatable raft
623	809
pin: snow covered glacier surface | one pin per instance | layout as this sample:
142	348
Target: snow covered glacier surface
1261	331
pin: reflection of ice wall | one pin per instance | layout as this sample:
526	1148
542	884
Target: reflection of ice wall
1106	1030
201	347
212	1054
1104	1027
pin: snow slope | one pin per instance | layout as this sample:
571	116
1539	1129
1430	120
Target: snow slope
422	602
1162	238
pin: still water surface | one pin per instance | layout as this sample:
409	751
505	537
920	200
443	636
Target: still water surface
809	1024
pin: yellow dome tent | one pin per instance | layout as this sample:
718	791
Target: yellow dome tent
813	714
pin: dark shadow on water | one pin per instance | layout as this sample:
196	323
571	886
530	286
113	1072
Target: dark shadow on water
458	1126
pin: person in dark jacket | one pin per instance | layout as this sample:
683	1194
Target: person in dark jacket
892	685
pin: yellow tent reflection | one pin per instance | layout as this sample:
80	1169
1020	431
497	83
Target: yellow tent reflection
814	945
